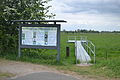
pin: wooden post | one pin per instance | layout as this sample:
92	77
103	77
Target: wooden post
67	51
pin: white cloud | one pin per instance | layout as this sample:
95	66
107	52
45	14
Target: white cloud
90	17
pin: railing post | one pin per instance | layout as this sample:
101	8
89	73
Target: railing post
76	50
87	46
90	48
94	58
94	55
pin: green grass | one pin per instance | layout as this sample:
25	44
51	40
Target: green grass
106	65
5	75
107	55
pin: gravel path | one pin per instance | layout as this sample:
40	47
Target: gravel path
24	69
46	76
20	69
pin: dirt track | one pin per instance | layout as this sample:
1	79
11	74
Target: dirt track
22	68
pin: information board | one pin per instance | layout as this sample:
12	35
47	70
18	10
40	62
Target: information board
41	36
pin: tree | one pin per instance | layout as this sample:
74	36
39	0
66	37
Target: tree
19	10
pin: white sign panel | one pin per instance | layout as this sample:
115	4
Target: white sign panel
42	36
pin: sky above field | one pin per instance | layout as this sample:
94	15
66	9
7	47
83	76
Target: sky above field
101	15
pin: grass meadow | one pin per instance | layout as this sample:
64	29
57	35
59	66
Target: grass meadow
107	55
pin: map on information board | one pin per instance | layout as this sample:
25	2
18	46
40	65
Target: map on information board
42	36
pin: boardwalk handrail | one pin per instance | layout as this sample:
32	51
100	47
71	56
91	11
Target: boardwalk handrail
77	38
90	46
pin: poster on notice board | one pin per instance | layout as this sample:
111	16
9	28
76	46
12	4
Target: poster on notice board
41	36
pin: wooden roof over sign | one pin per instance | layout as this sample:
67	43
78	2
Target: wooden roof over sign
39	21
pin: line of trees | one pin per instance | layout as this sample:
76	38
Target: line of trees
89	31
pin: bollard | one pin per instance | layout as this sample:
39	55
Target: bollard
67	51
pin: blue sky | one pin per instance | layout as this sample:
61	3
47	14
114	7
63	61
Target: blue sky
101	15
